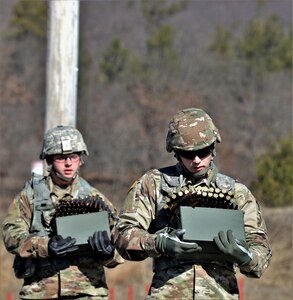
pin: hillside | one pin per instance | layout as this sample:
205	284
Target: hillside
125	122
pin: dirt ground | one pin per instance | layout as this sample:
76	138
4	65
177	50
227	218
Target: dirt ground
133	278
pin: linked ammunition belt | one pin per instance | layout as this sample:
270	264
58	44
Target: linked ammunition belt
81	206
201	196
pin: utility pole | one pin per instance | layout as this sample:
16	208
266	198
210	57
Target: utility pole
62	63
62	67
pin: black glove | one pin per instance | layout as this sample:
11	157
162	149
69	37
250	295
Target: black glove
101	205
236	251
102	245
58	246
24	267
169	243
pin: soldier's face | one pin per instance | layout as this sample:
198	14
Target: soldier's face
66	165
198	162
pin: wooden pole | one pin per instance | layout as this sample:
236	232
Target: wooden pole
62	63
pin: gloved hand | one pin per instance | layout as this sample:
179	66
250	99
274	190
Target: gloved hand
58	246
102	245
169	243
236	251
24	267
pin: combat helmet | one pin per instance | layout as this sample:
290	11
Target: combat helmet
191	129
63	140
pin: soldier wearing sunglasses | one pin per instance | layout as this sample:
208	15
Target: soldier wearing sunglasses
149	222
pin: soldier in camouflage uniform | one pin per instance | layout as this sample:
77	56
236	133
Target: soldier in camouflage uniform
148	227
51	266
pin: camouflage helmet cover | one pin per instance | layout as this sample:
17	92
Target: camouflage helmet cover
191	129
63	140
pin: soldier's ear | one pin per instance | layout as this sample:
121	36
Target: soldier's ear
81	161
177	156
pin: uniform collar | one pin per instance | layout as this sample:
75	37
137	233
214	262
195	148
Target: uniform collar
69	191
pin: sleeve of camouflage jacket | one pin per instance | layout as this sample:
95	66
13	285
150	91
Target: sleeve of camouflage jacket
132	238
16	236
255	231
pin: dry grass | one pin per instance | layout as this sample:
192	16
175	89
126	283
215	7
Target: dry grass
275	284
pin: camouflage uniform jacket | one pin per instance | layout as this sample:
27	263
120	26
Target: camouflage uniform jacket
52	278
143	215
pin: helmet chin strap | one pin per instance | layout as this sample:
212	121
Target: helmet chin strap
66	180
